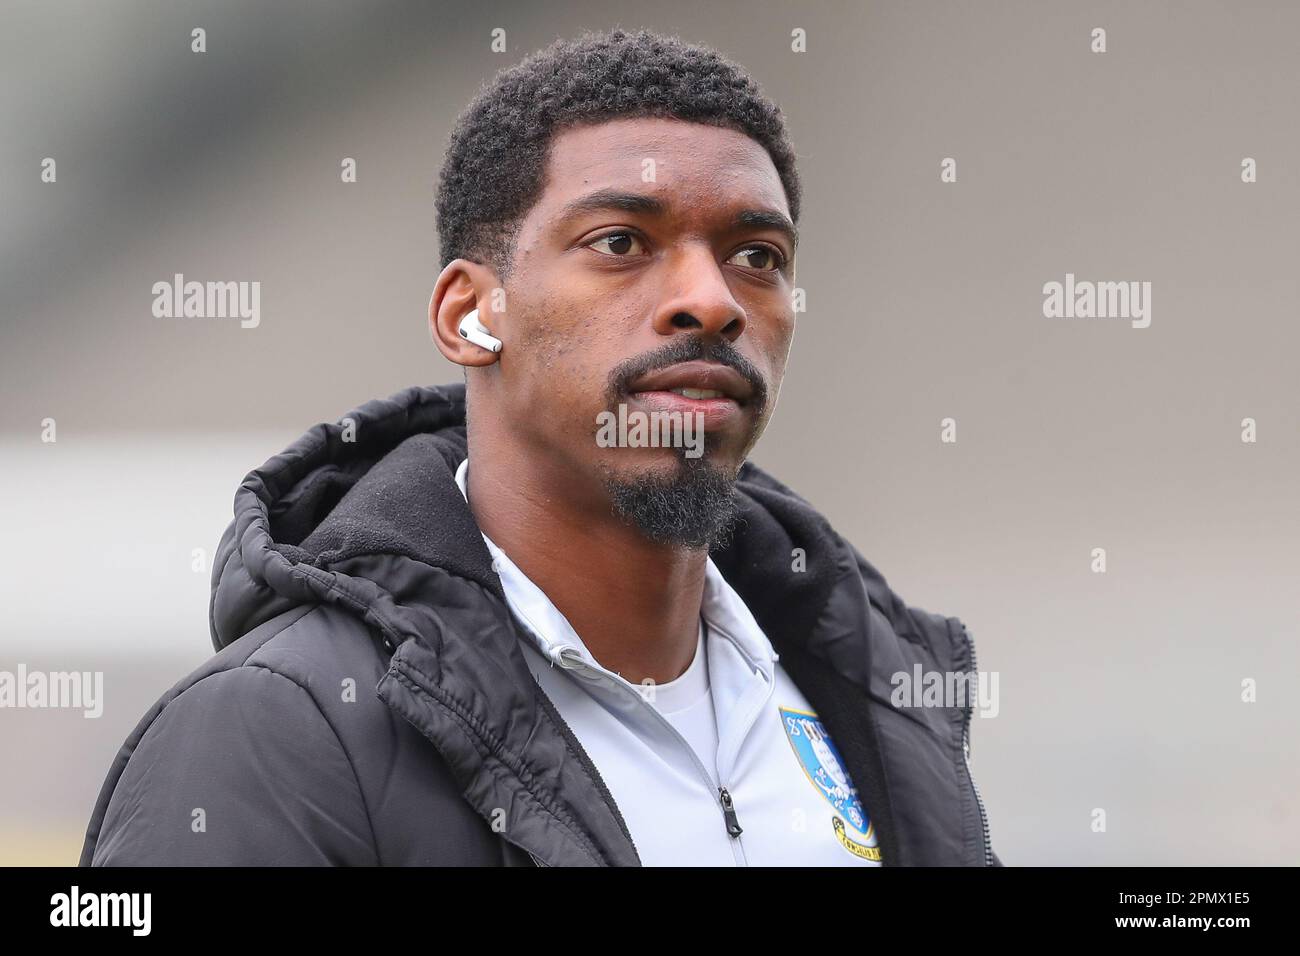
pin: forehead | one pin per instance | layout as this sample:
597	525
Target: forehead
693	164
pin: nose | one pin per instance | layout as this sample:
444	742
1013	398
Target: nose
703	302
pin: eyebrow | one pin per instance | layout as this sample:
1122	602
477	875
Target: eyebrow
622	201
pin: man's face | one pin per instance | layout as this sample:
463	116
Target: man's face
654	260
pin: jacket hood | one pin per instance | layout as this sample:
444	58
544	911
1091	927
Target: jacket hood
374	483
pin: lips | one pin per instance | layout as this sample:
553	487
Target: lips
700	381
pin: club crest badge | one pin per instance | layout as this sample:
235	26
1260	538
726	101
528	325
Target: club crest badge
822	765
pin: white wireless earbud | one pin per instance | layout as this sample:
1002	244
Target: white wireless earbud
472	330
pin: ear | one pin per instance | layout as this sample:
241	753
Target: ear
462	286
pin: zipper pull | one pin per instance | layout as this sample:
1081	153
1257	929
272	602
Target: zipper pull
729	812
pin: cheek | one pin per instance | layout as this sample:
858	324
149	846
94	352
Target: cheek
784	353
776	345
575	346
544	345
563	375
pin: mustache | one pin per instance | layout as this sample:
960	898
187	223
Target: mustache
687	349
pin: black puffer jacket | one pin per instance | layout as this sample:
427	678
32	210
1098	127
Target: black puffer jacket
369	703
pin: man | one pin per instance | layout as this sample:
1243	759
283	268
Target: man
483	624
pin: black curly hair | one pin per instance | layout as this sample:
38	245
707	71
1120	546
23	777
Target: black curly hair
496	155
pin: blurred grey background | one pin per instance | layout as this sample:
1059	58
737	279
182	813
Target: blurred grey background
1119	691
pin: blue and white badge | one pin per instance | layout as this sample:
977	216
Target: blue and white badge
825	770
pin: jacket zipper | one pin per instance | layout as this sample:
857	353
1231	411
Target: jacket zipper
724	795
729	813
965	746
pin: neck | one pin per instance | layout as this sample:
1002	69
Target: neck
634	602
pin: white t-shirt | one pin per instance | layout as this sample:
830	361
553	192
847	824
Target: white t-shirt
732	727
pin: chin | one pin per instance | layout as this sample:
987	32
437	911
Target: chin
684	502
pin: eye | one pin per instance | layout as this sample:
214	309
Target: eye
775	257
619	243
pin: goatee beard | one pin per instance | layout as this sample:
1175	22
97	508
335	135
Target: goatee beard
696	506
